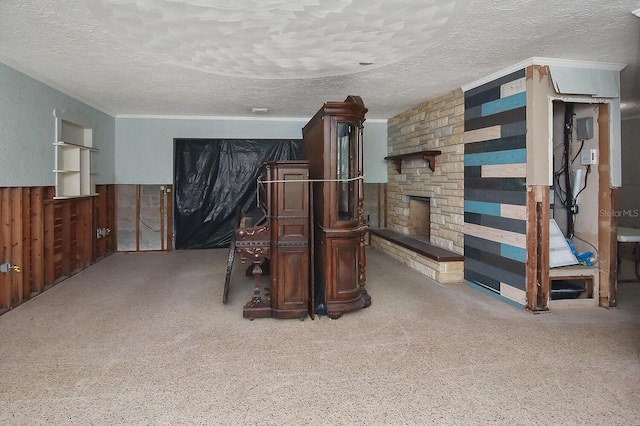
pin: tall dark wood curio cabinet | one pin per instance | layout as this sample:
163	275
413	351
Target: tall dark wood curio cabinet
333	146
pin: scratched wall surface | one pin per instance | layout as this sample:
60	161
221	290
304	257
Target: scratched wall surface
495	186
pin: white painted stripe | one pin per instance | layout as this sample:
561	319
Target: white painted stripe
512	293
497	235
484	134
515	170
513	87
512	211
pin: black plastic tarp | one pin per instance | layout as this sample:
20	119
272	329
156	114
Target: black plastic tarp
212	178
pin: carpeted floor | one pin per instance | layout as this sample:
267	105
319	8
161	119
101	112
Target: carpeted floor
144	339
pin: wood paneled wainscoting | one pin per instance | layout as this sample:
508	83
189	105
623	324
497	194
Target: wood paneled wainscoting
45	240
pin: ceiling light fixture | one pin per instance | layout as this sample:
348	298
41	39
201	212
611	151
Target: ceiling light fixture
259	110
636	12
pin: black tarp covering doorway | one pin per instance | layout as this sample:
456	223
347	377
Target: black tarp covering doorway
212	177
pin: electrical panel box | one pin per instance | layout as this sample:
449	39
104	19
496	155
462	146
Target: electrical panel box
589	157
585	128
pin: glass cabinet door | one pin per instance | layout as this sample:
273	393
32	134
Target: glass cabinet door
346	170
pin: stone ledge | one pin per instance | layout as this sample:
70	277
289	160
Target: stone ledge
434	262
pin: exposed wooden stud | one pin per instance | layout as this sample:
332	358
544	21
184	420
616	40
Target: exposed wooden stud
37	239
16	245
49	239
606	223
532	284
26	244
162	201
170	218
5	246
137	217
544	215
65	252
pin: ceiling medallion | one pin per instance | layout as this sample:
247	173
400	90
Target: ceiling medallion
278	39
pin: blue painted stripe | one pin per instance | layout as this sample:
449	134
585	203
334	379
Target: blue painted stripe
513	252
482	207
504	104
497	157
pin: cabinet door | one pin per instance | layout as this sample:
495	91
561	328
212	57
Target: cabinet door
343	283
292	279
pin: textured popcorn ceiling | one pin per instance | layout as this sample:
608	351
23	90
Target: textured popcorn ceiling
275	38
222	57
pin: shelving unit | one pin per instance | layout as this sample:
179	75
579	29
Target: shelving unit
428	156
73	149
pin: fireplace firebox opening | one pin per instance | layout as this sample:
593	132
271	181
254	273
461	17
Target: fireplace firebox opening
420	217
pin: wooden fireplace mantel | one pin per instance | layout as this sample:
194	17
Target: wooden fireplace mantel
428	156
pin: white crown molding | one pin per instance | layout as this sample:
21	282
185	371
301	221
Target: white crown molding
568	63
30	73
227	118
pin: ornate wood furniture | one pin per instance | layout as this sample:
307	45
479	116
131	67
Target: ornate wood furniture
332	143
279	231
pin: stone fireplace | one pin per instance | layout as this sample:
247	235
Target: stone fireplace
424	227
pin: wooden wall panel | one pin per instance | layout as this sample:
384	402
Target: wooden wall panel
49	239
495	158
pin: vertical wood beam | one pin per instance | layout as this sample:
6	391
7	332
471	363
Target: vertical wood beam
49	238
37	239
112	240
137	217
16	245
170	218
66	238
607	231
162	218
27	264
5	246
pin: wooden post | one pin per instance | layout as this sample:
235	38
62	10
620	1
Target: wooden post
37	239
170	218
65	242
162	200
137	217
607	233
5	246
26	244
16	245
49	238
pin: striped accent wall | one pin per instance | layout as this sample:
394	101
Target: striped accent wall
495	159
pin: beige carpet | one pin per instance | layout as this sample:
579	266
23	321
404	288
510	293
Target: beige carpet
144	338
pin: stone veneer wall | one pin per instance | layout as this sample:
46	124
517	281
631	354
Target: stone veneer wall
434	125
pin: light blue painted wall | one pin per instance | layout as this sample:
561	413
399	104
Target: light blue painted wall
144	146
27	131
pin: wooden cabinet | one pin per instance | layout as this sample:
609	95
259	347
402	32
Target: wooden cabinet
283	239
333	144
73	147
288	195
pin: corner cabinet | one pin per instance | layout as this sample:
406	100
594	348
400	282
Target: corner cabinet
333	145
73	148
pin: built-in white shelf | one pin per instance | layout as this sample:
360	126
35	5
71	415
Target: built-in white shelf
73	148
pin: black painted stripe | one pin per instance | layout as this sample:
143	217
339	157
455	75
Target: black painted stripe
503	197
475	101
514	280
485	281
495	83
497	222
472	172
506	117
492	145
482	244
504	264
498	184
